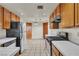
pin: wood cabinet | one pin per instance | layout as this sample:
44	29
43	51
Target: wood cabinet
58	10
6	21
54	26
15	18
55	51
67	15
1	17
77	14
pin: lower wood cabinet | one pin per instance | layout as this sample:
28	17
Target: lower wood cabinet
55	51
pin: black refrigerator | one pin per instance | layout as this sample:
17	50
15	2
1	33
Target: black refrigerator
15	31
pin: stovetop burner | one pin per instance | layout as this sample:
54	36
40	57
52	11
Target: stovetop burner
61	36
56	38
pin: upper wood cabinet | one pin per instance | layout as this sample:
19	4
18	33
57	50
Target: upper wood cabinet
77	14
67	15
58	10
6	21
18	19
15	18
1	17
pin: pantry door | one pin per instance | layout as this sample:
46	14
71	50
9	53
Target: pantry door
29	30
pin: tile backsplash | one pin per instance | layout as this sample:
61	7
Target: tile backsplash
2	33
73	33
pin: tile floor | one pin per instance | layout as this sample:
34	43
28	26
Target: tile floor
36	48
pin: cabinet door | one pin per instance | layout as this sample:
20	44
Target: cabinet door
55	51
1	17
6	22
62	17
70	15
13	17
18	19
77	14
58	10
67	15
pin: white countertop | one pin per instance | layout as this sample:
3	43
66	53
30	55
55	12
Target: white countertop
9	51
67	48
4	40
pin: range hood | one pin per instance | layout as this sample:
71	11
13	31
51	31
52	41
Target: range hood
57	19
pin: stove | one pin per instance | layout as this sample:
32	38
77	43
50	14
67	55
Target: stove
61	36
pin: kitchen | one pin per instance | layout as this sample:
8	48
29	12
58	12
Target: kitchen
60	34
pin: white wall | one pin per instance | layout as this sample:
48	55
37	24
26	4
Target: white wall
2	33
73	33
37	31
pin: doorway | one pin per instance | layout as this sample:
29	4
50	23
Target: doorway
45	29
29	30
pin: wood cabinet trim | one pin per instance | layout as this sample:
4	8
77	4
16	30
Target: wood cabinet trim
55	53
6	26
1	17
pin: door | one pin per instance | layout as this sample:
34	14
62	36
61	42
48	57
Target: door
45	29
29	30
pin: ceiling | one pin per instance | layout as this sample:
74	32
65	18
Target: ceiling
29	12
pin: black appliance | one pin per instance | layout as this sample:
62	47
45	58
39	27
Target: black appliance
15	31
15	25
61	36
57	19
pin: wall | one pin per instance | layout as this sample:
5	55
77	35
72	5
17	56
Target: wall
2	33
73	33
37	31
